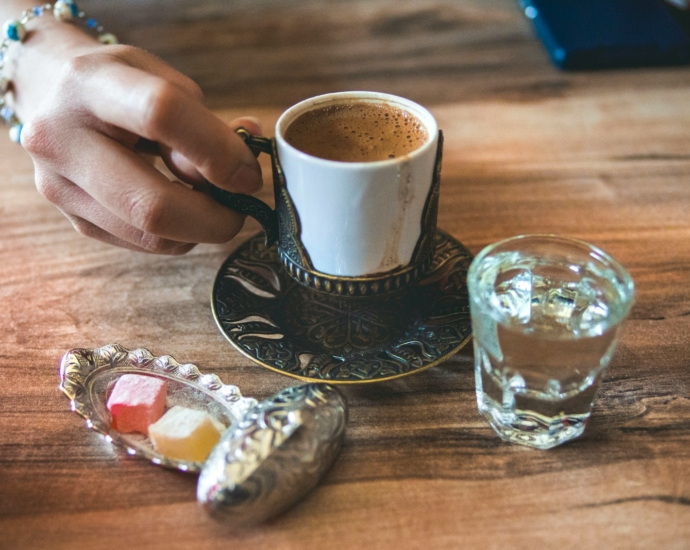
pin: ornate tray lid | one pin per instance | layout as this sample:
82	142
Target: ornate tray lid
274	455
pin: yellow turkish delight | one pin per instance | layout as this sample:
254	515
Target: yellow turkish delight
185	434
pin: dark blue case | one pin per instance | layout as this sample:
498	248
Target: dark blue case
596	34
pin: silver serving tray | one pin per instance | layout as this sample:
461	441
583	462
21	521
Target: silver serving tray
86	376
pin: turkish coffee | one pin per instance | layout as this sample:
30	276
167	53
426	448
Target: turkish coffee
357	131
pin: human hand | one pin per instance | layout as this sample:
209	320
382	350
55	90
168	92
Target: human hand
90	131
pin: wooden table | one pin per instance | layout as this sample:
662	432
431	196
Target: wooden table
602	156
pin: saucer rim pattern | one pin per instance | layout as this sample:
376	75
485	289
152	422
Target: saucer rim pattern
448	251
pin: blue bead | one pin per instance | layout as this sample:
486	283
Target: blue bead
14	30
38	11
91	23
7	114
74	8
16	133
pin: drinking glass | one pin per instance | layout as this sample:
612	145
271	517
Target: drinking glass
546	314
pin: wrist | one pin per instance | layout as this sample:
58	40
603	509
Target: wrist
41	49
35	64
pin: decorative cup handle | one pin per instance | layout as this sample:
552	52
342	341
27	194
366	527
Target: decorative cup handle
246	204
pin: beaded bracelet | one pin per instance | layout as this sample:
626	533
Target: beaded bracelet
14	30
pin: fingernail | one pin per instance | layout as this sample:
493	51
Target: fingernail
245	180
255	121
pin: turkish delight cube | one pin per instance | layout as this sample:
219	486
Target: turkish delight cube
186	434
135	402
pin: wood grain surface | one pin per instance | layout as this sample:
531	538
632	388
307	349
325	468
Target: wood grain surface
603	156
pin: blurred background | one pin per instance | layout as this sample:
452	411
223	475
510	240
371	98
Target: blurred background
277	52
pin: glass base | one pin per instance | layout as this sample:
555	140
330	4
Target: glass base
530	428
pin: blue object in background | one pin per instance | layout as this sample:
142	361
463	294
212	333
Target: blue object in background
597	34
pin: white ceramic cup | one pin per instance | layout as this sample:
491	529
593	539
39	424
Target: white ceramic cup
353	228
358	218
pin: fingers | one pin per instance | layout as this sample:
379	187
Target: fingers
92	220
185	170
87	140
92	231
178	164
144	198
160	111
141	59
249	123
182	168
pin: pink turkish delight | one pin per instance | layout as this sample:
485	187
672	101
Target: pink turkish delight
136	402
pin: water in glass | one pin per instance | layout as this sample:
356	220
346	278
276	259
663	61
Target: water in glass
542	343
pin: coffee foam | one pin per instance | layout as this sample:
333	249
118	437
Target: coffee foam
357	132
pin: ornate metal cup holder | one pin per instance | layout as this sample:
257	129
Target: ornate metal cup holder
313	336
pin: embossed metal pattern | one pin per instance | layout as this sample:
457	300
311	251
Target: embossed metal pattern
274	455
357	286
85	375
314	336
426	243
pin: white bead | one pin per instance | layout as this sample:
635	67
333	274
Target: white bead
108	38
4	85
16	133
63	10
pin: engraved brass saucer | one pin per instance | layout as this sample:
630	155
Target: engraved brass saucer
313	336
